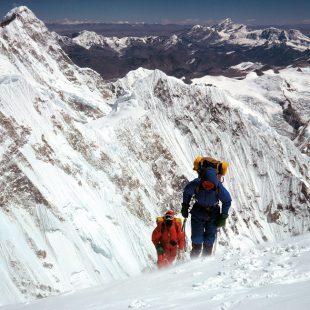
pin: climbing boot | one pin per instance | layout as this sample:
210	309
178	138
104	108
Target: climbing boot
196	250
207	250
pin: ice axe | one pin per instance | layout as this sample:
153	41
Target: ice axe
216	241
185	239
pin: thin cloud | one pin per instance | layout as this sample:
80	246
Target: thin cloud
67	21
187	21
250	20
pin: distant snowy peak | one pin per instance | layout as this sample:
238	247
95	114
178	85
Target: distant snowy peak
227	26
227	31
199	29
87	39
224	23
217	32
172	41
191	53
291	37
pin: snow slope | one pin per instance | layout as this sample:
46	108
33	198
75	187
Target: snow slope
87	166
273	276
60	213
282	98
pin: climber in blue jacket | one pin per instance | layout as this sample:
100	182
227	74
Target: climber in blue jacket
206	214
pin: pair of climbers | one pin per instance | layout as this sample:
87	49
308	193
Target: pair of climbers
206	214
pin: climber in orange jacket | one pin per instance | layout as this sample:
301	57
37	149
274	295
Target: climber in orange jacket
168	238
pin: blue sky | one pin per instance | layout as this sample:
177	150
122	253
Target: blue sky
165	11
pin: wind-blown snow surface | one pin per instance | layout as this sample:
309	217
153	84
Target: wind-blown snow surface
264	277
86	167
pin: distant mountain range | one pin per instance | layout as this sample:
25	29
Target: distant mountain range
70	28
118	29
189	52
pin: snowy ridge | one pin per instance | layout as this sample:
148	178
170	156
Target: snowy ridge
87	39
244	66
26	43
239	34
87	166
51	230
226	31
281	98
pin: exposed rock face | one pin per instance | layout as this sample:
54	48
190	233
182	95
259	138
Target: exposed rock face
87	166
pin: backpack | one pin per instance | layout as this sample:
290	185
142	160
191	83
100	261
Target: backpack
221	167
160	220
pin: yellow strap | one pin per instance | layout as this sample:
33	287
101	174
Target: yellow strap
178	220
160	219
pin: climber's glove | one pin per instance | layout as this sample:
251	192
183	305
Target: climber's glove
160	249
221	220
173	242
184	210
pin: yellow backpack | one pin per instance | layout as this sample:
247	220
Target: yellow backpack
204	162
160	219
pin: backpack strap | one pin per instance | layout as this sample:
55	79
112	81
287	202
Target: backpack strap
160	222
159	219
217	191
177	221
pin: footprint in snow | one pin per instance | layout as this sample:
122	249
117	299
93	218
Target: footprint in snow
138	304
218	297
201	286
177	271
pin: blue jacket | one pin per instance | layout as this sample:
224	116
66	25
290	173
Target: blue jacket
208	197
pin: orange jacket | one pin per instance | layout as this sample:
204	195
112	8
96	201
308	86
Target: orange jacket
163	235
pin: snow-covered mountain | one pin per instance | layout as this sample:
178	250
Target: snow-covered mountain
196	52
87	39
238	34
282	98
86	166
224	32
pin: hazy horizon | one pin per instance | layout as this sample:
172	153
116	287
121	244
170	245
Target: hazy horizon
251	12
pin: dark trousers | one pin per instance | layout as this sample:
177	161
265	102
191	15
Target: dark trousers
203	222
